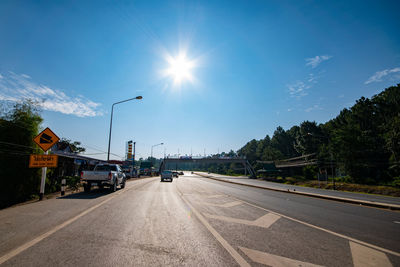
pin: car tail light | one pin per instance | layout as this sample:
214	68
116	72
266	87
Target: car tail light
109	176
81	174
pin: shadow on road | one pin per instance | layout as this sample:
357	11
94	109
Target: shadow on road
94	193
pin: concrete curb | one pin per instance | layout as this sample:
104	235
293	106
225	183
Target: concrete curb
340	199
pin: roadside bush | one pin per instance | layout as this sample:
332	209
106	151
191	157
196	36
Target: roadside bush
290	180
344	179
73	182
396	182
310	172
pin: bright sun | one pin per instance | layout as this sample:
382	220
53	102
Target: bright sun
180	68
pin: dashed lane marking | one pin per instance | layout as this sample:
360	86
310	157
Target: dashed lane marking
364	256
226	205
265	221
274	260
239	259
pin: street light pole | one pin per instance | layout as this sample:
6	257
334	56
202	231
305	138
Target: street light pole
112	112
160	144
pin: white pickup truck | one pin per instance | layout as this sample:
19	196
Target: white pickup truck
103	175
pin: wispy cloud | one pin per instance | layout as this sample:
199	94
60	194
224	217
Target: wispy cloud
315	107
378	76
298	89
15	87
315	61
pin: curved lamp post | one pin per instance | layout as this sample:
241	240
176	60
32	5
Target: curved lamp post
160	144
112	111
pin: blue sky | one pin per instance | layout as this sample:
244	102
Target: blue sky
257	65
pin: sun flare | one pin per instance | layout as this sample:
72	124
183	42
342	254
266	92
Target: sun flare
180	68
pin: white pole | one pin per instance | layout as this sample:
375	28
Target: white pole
63	182
43	182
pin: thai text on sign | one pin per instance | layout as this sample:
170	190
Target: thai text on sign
39	161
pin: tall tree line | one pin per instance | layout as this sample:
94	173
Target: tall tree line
363	140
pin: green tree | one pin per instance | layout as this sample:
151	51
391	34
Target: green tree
75	146
249	151
309	138
284	143
19	124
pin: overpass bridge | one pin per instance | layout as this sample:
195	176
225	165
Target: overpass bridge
246	165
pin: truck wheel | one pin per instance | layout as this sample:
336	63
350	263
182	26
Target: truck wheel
86	188
113	187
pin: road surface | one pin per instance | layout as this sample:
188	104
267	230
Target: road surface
281	186
196	221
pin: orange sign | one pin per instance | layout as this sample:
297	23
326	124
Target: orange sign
39	161
46	139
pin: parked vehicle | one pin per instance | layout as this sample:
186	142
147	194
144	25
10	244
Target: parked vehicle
167	175
175	174
145	168
129	171
181	173
104	175
154	172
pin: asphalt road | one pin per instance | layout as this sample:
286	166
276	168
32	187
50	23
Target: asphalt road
334	193
196	221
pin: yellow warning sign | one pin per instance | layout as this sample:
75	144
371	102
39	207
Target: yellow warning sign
39	161
46	139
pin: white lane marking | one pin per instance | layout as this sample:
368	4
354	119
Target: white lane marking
396	222
323	229
365	256
274	260
265	221
226	205
213	196
239	259
36	240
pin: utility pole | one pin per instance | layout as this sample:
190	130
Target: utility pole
134	153
333	176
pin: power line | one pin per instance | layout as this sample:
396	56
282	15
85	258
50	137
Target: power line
13	144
